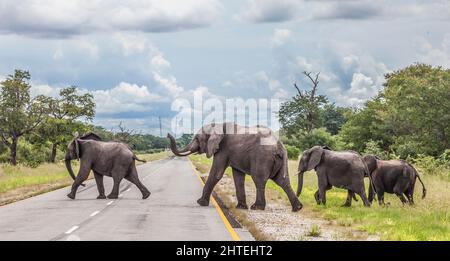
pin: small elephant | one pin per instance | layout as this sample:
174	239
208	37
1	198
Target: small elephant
344	169
113	159
248	150
392	176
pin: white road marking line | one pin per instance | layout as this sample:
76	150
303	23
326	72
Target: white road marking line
109	203
95	213
72	229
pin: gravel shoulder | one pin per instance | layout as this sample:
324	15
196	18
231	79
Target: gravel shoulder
277	222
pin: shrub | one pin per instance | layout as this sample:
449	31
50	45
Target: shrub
292	152
318	137
373	147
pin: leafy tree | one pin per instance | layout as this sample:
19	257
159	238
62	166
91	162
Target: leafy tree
61	122
333	117
302	114
19	113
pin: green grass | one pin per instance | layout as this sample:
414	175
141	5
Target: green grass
154	156
429	219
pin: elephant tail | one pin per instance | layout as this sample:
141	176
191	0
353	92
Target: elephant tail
368	174
424	190
136	158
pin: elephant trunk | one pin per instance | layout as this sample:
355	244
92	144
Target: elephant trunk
189	149
69	168
300	183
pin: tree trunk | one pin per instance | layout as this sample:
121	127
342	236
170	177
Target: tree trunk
53	155
13	150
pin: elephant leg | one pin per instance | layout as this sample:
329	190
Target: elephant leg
362	194
220	163
134	178
350	196
100	186
260	203
285	184
380	196
371	193
316	197
323	187
117	175
398	191
239	183
83	174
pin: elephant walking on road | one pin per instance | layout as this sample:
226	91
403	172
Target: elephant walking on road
393	176
341	169
113	159
248	150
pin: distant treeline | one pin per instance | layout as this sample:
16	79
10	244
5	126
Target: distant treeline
409	118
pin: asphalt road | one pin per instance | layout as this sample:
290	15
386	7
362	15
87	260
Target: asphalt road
170	213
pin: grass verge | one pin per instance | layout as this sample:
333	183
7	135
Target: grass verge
429	219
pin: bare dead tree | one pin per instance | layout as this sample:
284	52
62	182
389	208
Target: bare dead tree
123	134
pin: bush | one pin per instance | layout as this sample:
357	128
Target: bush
32	155
318	137
373	147
293	152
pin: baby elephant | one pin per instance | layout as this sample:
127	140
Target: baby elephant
392	176
341	169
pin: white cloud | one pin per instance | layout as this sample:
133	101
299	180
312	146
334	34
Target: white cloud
125	97
362	88
262	11
67	18
280	37
132	43
169	83
435	55
159	63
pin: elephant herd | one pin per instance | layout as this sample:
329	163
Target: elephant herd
257	152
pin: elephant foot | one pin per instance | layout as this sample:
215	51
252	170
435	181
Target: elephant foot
71	195
203	202
241	206
111	196
297	207
258	207
346	205
101	197
146	194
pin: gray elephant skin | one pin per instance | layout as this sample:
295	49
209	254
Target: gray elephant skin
341	169
248	150
393	176
112	159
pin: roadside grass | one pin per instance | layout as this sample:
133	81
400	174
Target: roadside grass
153	156
20	182
428	219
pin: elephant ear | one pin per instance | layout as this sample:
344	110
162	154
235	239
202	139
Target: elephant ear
314	158
216	136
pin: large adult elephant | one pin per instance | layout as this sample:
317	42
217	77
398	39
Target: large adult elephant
393	176
341	169
113	159
248	150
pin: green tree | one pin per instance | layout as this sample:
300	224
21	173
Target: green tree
333	117
302	114
20	114
63	118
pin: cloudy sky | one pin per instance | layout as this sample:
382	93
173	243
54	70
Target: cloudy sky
136	58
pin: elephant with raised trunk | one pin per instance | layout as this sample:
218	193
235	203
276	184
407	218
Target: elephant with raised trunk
248	150
341	169
393	176
113	159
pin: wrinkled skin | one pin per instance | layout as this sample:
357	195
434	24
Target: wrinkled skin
253	151
112	159
392	176
344	169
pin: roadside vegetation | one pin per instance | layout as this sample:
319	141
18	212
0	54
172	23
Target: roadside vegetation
35	130
408	119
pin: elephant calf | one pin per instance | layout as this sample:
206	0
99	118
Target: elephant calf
113	159
341	169
392	176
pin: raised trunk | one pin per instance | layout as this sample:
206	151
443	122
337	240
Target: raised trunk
69	168
300	183
189	149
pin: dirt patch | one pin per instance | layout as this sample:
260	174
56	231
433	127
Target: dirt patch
277	221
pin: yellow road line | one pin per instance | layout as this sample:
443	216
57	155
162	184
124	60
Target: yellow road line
227	224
